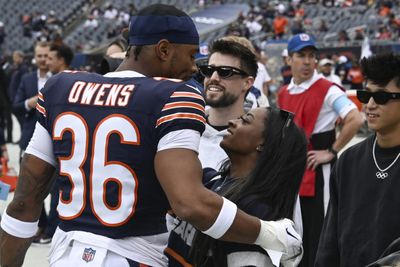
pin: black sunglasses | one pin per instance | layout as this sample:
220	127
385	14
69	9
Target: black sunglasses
287	116
380	97
223	71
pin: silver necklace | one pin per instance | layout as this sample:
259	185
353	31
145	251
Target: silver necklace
382	174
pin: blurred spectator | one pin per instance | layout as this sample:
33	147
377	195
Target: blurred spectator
286	71
123	19
91	22
43	35
111	31
384	33
297	26
26	24
342	68
355	76
6	105
110	12
263	79
326	69
322	26
384	10
280	8
26	97
299	11
253	25
19	69
394	24
95	12
359	34
280	24
53	23
38	22
343	37
328	3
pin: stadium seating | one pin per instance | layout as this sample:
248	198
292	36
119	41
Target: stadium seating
11	13
73	14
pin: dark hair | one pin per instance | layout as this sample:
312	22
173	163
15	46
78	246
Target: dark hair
64	52
275	180
382	68
136	51
109	64
248	60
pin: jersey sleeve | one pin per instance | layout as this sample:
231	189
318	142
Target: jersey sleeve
184	109
41	109
43	103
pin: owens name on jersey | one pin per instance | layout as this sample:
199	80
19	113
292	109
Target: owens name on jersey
105	133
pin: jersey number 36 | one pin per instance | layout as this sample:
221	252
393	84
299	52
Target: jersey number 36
102	171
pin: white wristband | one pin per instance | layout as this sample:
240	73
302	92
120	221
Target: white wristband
224	220
18	228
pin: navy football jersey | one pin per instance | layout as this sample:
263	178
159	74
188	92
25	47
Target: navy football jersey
182	234
105	133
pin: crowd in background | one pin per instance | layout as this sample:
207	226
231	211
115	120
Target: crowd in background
271	20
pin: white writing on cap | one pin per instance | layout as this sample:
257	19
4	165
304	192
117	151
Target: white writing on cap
304	37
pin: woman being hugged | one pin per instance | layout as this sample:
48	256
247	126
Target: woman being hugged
267	157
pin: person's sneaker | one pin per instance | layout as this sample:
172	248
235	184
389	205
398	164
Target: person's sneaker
45	239
42	239
38	235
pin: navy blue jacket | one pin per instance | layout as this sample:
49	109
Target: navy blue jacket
27	88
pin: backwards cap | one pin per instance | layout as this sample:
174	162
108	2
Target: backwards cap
156	22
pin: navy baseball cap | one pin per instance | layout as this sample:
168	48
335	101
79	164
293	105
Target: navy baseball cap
300	41
156	22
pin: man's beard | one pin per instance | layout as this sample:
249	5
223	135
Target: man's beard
225	100
326	74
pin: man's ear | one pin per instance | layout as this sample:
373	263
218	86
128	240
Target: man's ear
248	83
163	49
289	60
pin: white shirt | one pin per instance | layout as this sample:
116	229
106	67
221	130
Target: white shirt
41	82
327	115
211	155
261	78
333	78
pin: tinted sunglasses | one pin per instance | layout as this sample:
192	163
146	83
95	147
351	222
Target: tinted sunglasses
380	97
223	71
